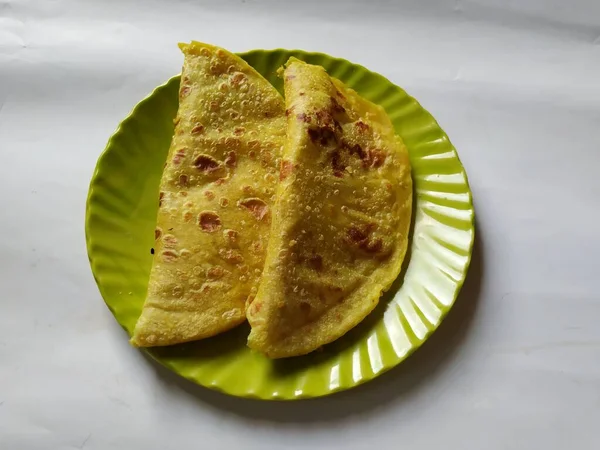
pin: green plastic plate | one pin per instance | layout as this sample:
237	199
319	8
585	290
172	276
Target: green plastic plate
121	216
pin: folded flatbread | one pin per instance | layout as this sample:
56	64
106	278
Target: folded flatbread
215	199
341	218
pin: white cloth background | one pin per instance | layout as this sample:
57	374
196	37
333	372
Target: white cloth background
515	84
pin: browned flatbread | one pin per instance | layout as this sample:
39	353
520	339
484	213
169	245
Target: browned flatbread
215	199
341	218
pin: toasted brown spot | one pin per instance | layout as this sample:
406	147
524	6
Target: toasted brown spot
230	235
357	150
316	262
206	163
214	105
285	169
238	131
169	241
215	272
232	142
323	135
247	189
340	157
198	129
209	195
337	165
374	158
257	207
179	156
209	221
169	255
187	216
223	202
356	234
183	180
325	118
160	199
157	233
183	193
237	79
231	256
253	144
231	159
362	238
304	117
361	126
256	306
184	91
257	247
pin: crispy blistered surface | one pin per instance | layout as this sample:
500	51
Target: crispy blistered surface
341	220
215	201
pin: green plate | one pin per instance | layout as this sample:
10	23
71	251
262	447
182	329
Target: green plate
121	216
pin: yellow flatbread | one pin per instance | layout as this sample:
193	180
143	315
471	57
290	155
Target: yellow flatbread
341	218
215	199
